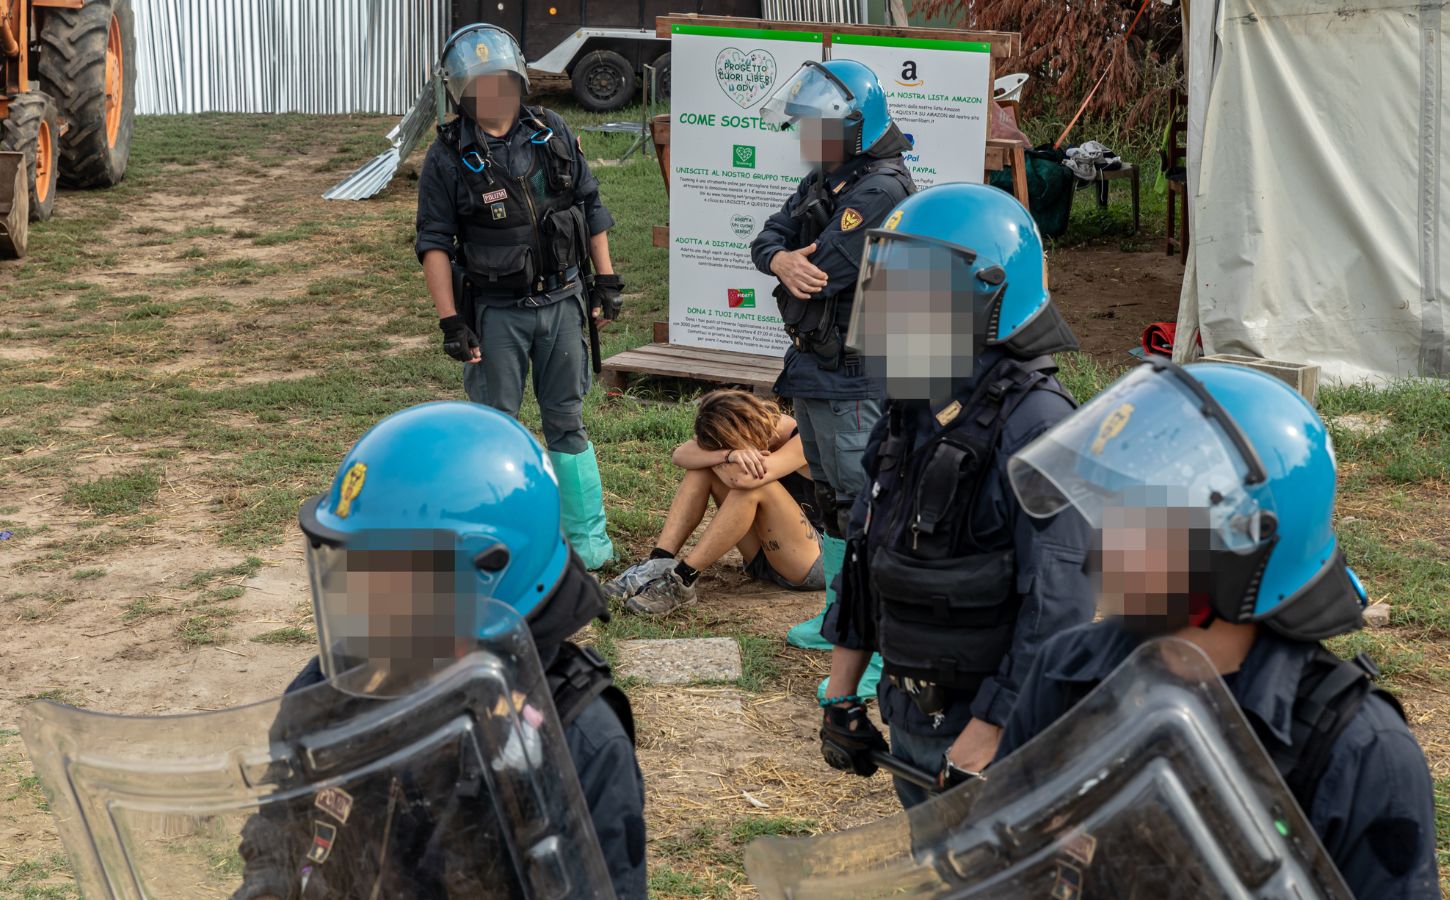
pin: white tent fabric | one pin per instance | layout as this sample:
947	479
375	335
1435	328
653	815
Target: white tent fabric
1319	188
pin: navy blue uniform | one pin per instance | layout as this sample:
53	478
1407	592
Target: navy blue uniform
444	197
609	776
861	204
1374	807
544	325
1050	584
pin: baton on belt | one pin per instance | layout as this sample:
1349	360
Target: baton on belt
905	770
594	350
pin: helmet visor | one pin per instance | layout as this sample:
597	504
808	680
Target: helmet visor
485	51
914	317
811	93
395	607
1153	439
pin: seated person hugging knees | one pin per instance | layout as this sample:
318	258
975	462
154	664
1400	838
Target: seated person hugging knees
746	456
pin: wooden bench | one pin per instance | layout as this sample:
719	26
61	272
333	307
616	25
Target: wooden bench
752	371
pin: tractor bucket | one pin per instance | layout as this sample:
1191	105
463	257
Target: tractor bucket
14	206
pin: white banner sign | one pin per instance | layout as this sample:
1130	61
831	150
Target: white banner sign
728	173
937	92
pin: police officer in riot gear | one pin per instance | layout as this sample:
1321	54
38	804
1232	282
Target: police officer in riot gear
469	487
945	576
510	225
1211	489
813	245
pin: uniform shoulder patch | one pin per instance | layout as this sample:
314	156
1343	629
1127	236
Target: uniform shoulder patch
850	219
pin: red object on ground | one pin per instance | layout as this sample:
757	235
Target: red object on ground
1158	338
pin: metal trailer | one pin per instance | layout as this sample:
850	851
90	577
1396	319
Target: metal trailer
601	46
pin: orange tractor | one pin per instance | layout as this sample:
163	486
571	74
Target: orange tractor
67	102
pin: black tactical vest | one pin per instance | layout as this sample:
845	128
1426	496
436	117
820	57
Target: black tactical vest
944	602
577	677
524	234
818	326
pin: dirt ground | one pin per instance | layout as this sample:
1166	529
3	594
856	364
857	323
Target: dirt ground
1109	296
109	642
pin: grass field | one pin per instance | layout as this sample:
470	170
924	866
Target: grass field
185	358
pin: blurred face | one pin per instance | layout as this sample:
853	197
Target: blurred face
493	97
914	319
823	142
1151	566
397	610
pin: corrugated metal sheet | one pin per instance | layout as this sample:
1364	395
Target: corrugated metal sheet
372	177
273	56
848	12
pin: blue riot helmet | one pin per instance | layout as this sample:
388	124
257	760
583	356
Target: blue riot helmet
434	510
953	270
1242	452
473	51
839	90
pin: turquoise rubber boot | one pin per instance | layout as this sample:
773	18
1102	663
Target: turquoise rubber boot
870	679
807	635
581	501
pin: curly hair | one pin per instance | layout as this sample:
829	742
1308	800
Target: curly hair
735	420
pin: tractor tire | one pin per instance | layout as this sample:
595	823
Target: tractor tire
603	81
662	76
33	129
88	63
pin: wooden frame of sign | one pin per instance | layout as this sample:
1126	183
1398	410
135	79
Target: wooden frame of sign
753	371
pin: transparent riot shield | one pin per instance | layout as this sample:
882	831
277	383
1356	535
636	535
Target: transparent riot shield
462	787
1151	788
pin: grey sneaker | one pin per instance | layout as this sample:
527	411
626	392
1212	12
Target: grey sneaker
634	579
662	596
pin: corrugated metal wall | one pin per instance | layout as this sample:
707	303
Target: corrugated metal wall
272	56
840	11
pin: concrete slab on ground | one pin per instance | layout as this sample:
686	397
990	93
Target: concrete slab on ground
680	660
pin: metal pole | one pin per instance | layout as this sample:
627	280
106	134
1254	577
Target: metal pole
905	771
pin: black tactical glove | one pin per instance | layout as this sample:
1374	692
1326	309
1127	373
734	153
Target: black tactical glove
604	296
848	739
459	341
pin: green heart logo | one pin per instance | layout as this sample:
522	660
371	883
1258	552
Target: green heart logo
745	77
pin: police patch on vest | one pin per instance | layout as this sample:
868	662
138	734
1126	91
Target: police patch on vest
499	211
1082	847
851	219
323	836
949	414
336	802
495	196
1068	885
